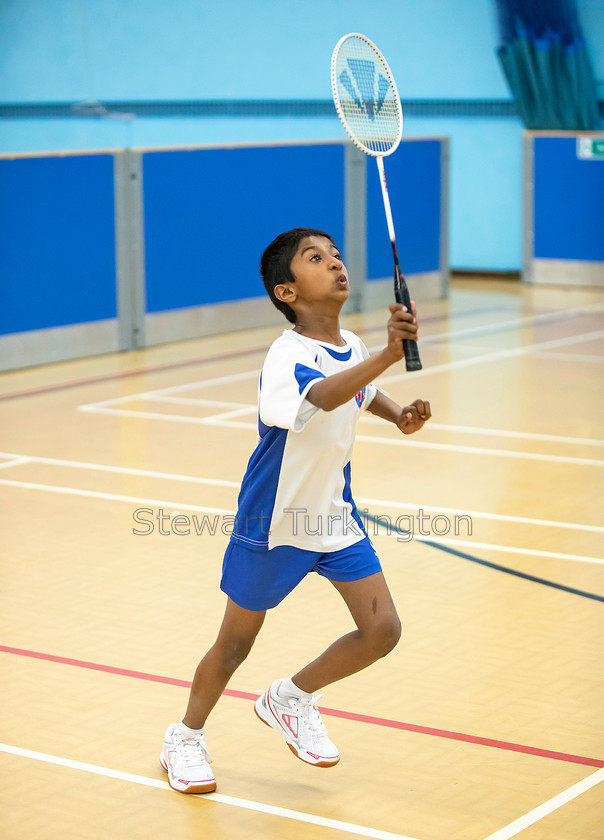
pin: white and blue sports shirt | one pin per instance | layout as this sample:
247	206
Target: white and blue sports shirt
296	489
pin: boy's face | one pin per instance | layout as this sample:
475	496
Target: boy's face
319	273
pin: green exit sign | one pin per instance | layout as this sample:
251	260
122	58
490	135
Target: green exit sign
590	147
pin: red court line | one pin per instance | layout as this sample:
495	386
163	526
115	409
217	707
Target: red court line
377	721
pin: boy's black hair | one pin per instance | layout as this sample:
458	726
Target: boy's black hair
275	263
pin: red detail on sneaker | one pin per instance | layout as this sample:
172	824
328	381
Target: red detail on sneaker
289	721
314	755
196	781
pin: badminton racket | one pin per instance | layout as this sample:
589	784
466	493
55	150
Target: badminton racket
369	107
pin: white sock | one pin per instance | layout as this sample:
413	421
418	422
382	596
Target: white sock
187	729
288	689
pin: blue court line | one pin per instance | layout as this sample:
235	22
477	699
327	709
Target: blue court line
495	566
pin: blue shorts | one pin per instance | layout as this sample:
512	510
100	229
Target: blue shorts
260	579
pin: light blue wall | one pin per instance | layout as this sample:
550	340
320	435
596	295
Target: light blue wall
75	50
258	49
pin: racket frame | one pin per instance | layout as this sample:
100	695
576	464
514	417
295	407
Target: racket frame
336	97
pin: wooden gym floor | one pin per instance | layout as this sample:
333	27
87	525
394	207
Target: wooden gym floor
485	722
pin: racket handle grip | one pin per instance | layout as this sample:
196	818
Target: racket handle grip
412	359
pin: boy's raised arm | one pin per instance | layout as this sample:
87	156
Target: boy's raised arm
337	389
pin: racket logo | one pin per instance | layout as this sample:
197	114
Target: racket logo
366	87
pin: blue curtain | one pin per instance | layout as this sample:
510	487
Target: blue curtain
546	65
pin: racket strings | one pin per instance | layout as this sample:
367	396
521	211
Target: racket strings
366	97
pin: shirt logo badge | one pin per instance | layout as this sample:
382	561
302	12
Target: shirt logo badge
360	397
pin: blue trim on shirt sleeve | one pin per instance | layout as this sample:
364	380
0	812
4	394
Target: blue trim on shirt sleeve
305	374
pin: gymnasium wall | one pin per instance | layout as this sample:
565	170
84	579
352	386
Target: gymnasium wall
163	55
107	251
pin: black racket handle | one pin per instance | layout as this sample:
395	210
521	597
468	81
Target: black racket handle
401	294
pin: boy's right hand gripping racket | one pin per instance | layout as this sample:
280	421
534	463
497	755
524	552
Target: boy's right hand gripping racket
368	104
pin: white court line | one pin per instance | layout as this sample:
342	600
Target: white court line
114	497
249	407
158	397
364	417
550	555
101	407
159	393
478	430
544	317
478	450
502	326
175	418
215	420
548	807
151	395
475	514
117	400
235	412
83	465
571	357
15	462
236	485
500	354
216	482
218	380
497	355
104	407
177	506
248	804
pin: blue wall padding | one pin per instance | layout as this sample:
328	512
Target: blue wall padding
209	214
413	174
57	242
568	202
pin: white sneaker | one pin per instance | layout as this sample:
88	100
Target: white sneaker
299	720
187	761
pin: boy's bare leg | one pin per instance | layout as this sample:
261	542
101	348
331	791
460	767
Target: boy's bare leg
235	639
378	631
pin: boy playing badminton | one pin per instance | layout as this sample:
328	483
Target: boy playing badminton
295	510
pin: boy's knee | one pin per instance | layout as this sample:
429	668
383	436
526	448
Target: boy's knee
387	634
234	653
